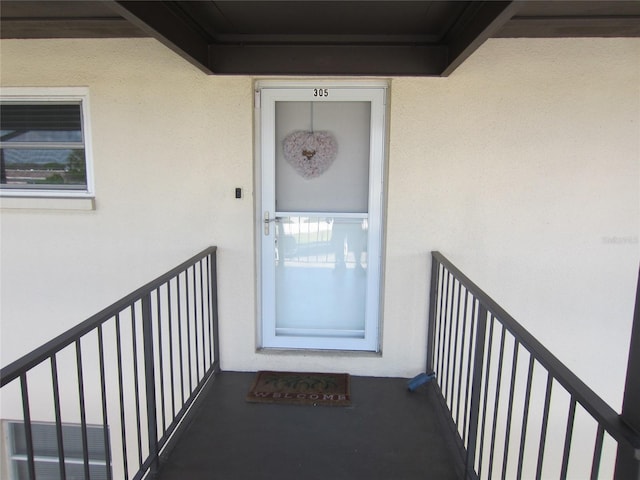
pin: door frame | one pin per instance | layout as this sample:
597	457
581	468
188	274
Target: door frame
267	93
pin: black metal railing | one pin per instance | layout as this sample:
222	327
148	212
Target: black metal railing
131	372
515	410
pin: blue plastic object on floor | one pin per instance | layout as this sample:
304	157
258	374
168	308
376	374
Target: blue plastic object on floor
421	379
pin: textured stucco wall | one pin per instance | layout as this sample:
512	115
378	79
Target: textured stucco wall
170	146
523	167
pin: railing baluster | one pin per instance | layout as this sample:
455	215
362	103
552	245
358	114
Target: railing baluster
473	331
195	324
455	346
103	391
202	322
58	415
462	349
28	436
525	417
435	355
487	376
150	382
136	381
567	439
188	323
123	423
445	326
180	348
543	429
171	357
597	453
442	325
160	359
209	307
507	434
497	402
448	370
83	413
434	290
476	387
438	325
214	307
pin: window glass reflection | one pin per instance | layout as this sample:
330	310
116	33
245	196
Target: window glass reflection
321	279
337	243
26	167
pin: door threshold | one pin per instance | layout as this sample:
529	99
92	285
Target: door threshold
317	352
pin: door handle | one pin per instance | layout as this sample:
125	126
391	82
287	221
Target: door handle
267	220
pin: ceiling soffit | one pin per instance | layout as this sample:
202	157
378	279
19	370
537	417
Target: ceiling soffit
373	38
396	38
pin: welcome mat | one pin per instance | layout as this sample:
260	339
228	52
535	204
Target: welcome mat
301	388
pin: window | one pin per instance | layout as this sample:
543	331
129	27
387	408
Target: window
45	449
44	143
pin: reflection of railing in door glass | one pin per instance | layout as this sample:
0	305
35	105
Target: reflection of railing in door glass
336	243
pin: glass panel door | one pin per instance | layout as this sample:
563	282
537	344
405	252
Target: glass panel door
321	273
321	191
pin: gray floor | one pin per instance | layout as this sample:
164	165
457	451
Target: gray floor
388	433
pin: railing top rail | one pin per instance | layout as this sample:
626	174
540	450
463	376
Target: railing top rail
590	401
33	358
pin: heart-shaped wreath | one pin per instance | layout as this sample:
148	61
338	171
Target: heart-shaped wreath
310	153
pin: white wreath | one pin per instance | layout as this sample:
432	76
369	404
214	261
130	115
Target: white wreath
310	153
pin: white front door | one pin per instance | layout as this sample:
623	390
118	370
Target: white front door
322	152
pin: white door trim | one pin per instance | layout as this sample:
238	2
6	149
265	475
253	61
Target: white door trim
268	93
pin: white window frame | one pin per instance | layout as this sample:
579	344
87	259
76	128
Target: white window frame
11	457
55	94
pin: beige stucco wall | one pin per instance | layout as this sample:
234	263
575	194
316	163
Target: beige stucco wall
523	167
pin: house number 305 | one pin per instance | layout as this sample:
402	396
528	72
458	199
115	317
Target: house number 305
320	92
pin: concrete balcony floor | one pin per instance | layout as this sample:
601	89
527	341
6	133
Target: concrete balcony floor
388	433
